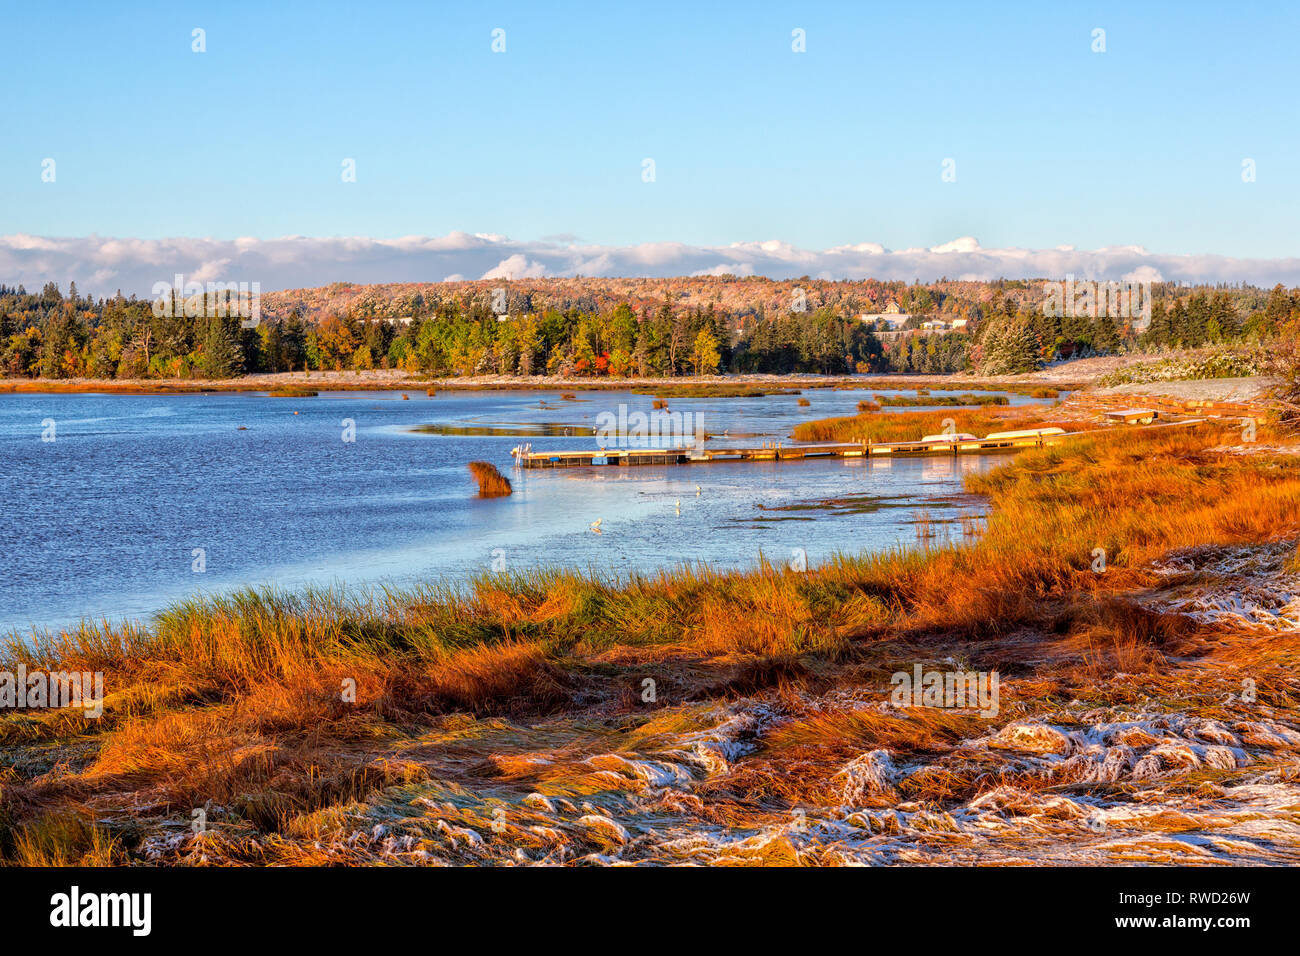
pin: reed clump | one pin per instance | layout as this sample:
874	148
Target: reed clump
491	483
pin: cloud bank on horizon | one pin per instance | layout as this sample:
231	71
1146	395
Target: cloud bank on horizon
102	266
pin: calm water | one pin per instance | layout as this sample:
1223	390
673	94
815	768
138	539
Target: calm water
103	522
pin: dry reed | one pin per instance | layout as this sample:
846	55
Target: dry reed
491	483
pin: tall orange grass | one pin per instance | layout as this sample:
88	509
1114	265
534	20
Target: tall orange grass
491	483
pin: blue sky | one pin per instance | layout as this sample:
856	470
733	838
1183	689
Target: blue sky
1053	143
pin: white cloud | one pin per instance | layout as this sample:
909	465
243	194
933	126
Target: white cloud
212	271
1143	274
964	244
101	266
516	267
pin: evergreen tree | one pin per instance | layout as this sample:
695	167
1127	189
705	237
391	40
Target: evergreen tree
1010	346
1224	316
1105	336
1160	331
1181	333
221	356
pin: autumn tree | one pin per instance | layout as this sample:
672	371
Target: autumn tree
705	353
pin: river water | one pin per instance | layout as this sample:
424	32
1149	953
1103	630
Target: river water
116	505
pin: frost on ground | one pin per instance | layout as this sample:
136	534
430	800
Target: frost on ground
1073	783
1252	586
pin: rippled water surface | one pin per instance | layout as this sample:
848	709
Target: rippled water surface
105	520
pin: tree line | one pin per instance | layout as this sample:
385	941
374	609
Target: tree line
55	335
51	335
1012	339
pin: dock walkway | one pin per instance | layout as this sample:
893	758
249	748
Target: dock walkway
779	451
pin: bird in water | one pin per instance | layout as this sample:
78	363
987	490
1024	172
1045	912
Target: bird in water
697	491
679	506
595	525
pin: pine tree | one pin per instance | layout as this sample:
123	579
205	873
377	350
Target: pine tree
1160	332
1010	346
1181	334
1224	315
1105	337
221	356
1198	319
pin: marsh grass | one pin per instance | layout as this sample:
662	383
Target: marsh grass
709	390
63	840
491	483
284	707
910	426
926	400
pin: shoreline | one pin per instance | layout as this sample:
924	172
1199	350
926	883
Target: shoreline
396	381
1079	375
1205	396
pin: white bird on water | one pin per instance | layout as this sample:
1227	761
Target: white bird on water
595	525
679	506
697	491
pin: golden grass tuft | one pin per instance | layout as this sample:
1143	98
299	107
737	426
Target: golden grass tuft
63	839
491	483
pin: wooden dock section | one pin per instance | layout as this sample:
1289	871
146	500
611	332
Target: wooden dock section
779	451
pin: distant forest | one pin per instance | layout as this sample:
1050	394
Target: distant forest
456	332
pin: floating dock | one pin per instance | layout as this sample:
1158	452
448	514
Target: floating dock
779	451
1133	416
